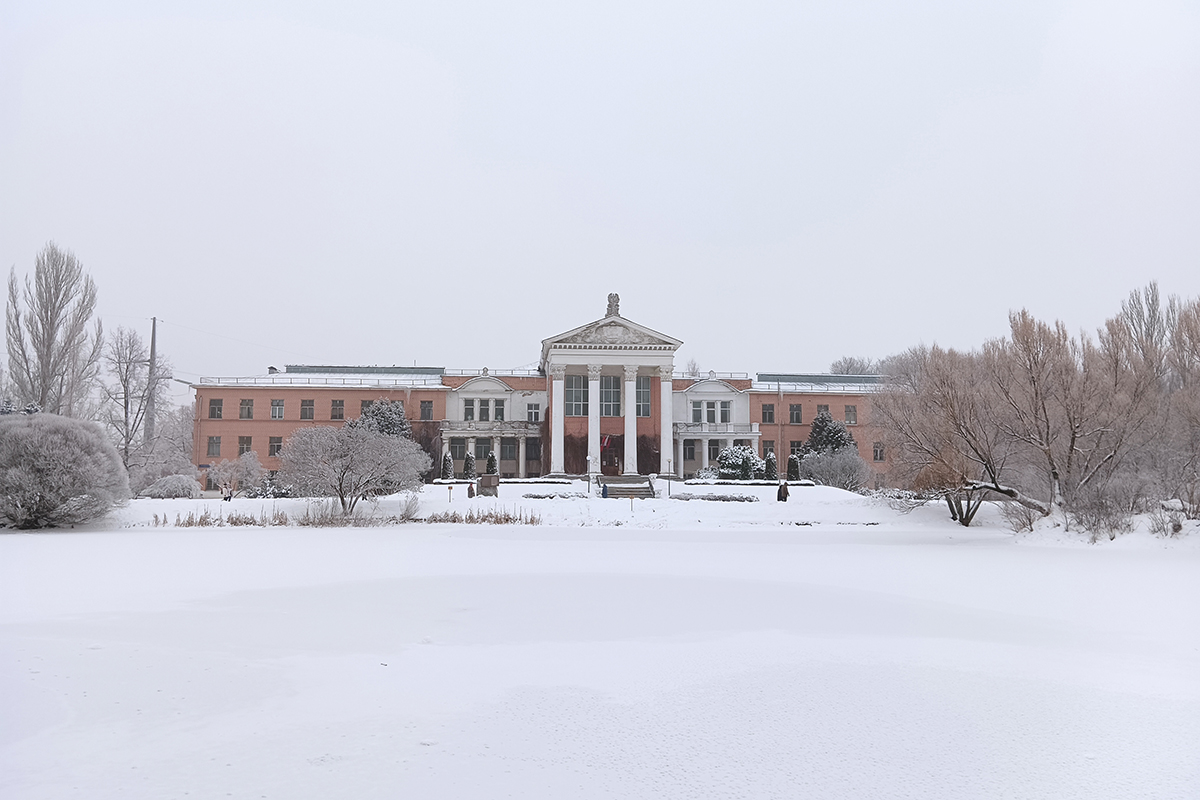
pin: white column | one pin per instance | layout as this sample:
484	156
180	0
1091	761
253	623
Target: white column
677	468
667	434
521	456
557	423
629	408
594	415
704	453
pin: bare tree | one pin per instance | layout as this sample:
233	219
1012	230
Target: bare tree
53	346
692	370
128	395
854	365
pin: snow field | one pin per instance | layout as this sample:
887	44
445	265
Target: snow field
695	649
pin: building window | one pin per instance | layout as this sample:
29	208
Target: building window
877	451
276	409
274	445
246	410
697	411
533	412
796	448
498	408
214	409
768	412
469	410
714	449
610	395
482	448
533	449
214	446
575	396
426	409
710	411
768	446
458	449
795	417
851	415
725	404
508	449
244	445
484	416
643	395
822	409
689	449
337	409
307	408
364	405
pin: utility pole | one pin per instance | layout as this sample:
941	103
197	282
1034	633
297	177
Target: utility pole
151	385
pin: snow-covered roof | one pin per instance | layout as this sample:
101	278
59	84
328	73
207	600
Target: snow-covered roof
816	383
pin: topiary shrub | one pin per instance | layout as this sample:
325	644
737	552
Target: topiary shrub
469	467
447	467
173	486
771	469
793	467
491	467
57	471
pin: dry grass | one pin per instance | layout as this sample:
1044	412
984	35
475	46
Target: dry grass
492	516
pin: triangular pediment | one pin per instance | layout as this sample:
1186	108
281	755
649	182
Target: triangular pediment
612	331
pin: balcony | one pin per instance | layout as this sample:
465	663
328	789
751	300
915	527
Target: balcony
697	429
474	427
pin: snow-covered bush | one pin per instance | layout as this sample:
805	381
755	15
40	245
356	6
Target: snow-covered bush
720	498
469	472
843	469
771	468
56	471
491	467
706	473
739	463
386	417
447	467
270	488
173	486
793	473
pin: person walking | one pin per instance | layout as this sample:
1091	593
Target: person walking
782	494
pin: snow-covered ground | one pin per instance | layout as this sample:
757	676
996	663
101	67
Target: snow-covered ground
827	647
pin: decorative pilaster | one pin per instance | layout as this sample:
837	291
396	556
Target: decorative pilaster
593	371
666	435
557	422
521	456
629	408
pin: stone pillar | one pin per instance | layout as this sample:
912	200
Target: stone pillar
521	456
704	453
594	415
666	424
629	407
557	423
678	466
471	449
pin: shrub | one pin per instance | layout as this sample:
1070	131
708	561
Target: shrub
469	467
843	469
771	468
491	467
793	467
739	463
173	486
56	471
447	468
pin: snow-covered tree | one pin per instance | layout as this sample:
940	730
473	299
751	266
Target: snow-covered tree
469	472
350	463
385	416
56	471
53	346
771	468
242	473
793	473
491	467
447	467
827	434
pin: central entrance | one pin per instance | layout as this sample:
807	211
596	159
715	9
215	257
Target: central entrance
611	448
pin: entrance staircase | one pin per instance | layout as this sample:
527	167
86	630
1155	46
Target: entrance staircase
626	485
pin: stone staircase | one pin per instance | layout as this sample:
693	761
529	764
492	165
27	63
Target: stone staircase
626	485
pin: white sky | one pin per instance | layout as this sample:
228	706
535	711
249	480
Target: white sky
777	184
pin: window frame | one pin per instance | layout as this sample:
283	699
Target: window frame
246	408
768	413
277	405
214	452
851	414
274	445
337	409
642	396
610	395
878	452
533	412
308	409
575	395
245	445
498	411
218	405
795	414
689	449
426	410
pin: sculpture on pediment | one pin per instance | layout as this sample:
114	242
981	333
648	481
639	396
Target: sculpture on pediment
614	305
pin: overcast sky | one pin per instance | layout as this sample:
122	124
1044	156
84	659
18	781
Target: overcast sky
777	184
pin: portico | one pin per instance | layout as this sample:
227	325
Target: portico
611	379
